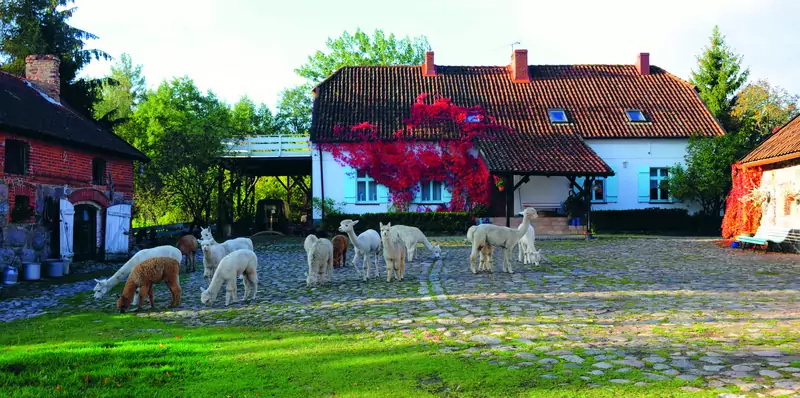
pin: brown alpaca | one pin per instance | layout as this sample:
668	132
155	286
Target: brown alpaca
143	276
340	244
187	244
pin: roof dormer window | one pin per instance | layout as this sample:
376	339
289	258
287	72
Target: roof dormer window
472	118
557	115
635	115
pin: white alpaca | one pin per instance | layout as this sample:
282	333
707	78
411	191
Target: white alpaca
230	245
240	262
497	236
487	260
411	236
394	253
527	248
320	259
366	244
212	255
103	286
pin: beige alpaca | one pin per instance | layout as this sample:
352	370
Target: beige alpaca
320	259
487	259
366	244
239	262
394	252
412	236
504	237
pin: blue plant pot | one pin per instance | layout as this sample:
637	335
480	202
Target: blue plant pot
734	244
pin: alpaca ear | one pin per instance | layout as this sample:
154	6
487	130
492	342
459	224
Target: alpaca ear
354	222
98	280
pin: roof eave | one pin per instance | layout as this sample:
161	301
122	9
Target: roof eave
775	159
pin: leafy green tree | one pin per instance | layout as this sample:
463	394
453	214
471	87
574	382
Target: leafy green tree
361	49
248	119
761	108
294	109
121	92
718	76
40	27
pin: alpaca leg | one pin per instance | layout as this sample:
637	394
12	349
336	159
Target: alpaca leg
507	256
410	250
142	297
230	291
521	250
175	291
472	256
377	264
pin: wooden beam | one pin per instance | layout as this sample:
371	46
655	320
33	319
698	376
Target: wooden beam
771	160
509	199
524	180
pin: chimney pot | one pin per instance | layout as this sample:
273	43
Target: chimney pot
519	66
643	64
429	68
42	71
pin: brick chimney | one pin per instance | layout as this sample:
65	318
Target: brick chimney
429	68
643	64
42	71
519	67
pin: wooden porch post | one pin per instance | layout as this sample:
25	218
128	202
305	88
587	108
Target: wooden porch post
508	184
220	196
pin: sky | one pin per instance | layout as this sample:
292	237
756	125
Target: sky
251	47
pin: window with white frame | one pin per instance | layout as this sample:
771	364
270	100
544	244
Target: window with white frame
367	188
658	184
431	191
635	115
599	190
557	115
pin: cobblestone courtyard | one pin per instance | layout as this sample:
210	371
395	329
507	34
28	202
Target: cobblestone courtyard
612	311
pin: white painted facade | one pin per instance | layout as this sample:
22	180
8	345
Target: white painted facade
629	189
783	210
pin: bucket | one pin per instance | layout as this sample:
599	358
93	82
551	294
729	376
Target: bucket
62	262
31	271
10	275
67	262
55	270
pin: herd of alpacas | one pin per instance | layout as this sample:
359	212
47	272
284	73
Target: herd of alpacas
226	262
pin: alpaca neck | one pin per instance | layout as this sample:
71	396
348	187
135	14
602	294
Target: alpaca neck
523	228
129	290
389	247
353	238
216	283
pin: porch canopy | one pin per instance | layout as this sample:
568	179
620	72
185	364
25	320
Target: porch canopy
521	154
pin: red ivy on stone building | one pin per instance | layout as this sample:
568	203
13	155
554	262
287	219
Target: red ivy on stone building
742	217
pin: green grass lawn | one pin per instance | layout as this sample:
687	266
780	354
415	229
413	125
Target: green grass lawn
98	354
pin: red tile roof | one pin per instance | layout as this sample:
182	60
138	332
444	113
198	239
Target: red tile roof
594	96
782	144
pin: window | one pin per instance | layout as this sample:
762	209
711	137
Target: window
635	115
599	190
558	116
431	191
16	159
472	117
658	184
367	189
98	171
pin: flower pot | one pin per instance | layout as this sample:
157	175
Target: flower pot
10	275
54	270
31	271
28	255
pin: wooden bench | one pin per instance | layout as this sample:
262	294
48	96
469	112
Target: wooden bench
763	237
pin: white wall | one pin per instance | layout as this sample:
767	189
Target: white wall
778	182
333	176
615	152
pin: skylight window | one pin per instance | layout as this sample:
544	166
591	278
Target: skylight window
472	118
635	115
558	116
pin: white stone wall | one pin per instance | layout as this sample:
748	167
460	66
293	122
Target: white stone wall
780	211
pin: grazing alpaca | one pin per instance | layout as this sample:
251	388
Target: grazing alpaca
527	248
187	244
144	275
366	244
230	245
487	260
212	255
320	259
507	238
394	253
240	262
411	236
340	244
103	286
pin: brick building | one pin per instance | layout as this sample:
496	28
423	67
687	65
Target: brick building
67	184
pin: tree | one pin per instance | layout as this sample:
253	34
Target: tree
249	119
40	27
121	92
361	49
182	131
294	109
761	108
719	75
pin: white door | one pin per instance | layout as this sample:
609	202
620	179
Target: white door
67	217
118	222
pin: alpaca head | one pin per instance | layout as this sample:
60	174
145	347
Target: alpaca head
537	256
529	213
205	296
123	303
205	234
310	241
385	229
100	289
347	225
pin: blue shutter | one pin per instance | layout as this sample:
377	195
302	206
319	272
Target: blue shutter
612	188
579	181
418	194
383	194
350	186
644	184
446	195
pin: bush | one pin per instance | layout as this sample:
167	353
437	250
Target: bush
656	220
430	223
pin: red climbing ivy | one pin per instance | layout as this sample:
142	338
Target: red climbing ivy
401	162
742	217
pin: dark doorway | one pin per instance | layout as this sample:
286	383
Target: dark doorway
85	239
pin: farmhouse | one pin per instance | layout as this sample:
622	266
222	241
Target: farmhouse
611	129
67	185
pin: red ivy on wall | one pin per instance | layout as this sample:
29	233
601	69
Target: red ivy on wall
741	218
403	162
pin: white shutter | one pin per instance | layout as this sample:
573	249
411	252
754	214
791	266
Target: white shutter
118	221
67	223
